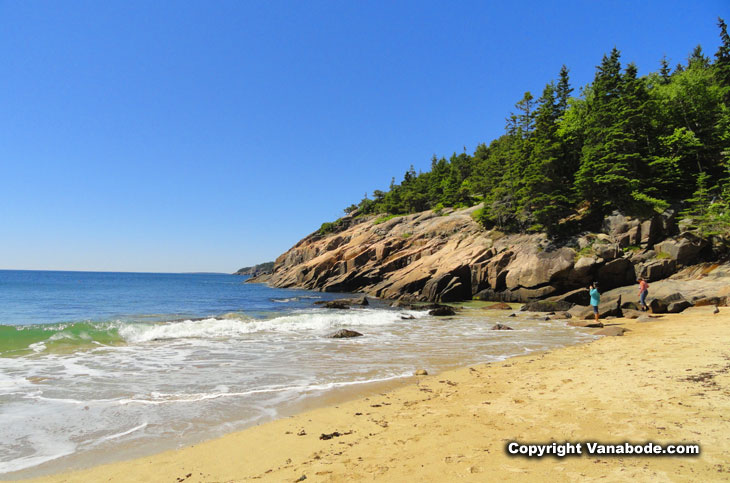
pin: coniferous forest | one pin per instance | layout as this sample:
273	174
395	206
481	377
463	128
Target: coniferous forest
637	144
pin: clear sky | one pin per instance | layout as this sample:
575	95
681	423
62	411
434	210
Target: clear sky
209	135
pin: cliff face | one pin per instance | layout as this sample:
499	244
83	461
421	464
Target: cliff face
450	257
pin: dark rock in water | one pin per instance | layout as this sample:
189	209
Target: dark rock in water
339	303
611	331
560	315
344	334
512	315
441	311
334	304
402	304
502	327
585	323
407	317
498	306
545	306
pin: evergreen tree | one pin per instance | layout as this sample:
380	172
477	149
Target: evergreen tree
605	178
665	71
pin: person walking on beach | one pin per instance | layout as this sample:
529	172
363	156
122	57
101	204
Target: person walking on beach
643	292
595	298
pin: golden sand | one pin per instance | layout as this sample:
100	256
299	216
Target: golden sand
666	381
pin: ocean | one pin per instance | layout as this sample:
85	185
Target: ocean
98	367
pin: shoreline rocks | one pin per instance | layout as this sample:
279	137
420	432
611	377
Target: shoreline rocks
425	257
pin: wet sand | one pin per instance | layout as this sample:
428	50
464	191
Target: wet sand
666	381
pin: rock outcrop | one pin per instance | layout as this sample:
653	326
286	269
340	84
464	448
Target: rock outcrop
429	257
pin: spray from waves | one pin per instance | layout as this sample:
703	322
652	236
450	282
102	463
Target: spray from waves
66	337
315	320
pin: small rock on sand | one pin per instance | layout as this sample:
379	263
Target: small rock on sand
585	323
613	330
421	372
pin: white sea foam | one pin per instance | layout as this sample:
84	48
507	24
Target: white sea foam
213	328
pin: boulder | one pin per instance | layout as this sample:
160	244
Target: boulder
442	311
632	314
605	309
499	306
657	306
672	303
719	301
577	296
585	323
611	331
546	306
615	224
501	327
616	273
606	251
581	311
339	303
539	268
656	269
560	315
630	306
344	334
584	269
334	304
678	306
684	249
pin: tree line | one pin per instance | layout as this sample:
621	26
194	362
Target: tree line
638	144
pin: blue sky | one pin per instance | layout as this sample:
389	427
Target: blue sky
205	136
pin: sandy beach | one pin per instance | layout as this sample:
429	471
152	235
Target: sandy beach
665	381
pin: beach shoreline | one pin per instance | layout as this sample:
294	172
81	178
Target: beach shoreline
665	381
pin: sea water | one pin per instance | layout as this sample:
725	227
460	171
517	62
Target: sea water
124	364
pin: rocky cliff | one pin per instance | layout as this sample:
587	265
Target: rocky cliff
448	257
260	269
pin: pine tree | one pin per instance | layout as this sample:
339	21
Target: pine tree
722	60
605	177
563	90
665	71
543	200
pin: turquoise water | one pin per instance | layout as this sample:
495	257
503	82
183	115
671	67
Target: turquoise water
124	364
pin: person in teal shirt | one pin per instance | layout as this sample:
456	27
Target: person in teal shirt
595	298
